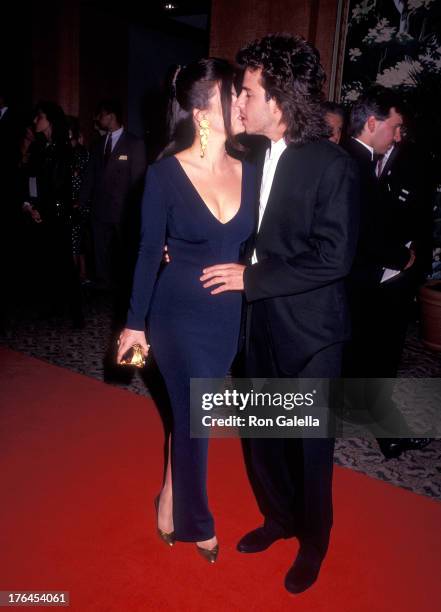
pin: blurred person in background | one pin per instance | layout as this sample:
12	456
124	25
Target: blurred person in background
47	202
112	188
387	267
80	214
335	118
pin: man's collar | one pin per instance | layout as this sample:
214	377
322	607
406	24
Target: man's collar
276	149
368	147
117	132
388	154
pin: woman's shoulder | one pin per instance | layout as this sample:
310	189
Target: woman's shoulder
162	172
161	167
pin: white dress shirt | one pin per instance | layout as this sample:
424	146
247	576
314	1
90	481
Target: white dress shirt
269	169
383	161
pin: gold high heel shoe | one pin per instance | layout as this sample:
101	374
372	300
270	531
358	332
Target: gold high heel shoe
167	538
209	555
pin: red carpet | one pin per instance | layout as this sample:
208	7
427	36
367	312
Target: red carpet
80	465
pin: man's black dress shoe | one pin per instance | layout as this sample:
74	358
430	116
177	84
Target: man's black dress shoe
392	448
260	539
416	443
303	573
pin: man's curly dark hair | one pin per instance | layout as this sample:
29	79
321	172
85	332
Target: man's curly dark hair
293	76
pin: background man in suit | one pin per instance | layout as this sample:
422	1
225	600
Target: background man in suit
406	180
307	232
387	268
113	186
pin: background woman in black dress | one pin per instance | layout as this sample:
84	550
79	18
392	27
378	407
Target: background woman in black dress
80	214
47	199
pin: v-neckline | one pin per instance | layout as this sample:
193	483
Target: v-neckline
203	201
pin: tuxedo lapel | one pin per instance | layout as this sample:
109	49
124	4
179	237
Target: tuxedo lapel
360	151
99	153
114	156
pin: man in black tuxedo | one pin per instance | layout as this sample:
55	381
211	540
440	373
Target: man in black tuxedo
390	259
113	186
298	322
407	181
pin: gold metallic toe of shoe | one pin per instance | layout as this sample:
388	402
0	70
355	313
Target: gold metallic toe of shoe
167	538
209	555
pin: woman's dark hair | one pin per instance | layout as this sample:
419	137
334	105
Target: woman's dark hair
56	117
334	109
191	87
293	76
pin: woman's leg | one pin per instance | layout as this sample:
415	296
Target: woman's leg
181	354
165	507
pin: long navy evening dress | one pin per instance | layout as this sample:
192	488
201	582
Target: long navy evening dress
192	333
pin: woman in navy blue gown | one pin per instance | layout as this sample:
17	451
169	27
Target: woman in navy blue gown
200	202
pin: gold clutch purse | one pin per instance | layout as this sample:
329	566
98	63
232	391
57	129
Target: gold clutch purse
134	357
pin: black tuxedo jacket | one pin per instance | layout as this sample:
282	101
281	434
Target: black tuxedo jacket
50	165
407	188
112	188
382	243
305	247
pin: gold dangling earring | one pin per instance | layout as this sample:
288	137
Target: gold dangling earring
204	131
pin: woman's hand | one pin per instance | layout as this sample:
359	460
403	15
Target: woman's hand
129	337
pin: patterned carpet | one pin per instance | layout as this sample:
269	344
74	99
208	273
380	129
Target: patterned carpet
84	350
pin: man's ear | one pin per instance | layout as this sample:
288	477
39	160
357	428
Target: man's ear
275	111
274	108
371	124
